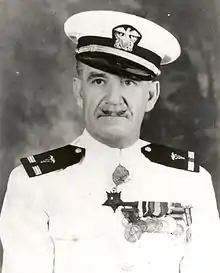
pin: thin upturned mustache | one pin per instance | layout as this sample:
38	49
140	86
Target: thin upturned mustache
120	110
108	112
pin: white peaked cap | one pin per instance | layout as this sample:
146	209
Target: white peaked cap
132	43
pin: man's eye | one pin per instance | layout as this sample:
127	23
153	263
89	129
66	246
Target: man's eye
98	81
129	82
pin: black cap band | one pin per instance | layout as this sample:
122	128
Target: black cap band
137	50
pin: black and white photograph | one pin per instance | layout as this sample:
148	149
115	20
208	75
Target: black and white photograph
109	136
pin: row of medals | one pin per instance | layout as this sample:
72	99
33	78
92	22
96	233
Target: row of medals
166	225
135	228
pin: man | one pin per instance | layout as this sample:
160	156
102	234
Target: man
110	202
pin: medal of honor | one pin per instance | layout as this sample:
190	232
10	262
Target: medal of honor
120	175
132	233
114	200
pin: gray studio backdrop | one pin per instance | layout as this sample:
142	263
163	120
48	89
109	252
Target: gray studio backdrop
38	111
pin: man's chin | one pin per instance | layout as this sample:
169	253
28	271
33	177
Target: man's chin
115	131
116	135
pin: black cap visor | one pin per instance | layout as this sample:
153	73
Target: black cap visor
116	65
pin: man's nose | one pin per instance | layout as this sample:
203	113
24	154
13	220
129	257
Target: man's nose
114	96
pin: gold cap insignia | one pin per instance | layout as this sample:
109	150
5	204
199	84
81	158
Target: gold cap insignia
125	37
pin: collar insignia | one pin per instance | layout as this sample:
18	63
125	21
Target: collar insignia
176	156
50	159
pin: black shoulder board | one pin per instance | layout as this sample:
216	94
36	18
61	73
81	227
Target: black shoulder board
52	160
170	157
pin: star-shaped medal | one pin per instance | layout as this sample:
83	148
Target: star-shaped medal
114	200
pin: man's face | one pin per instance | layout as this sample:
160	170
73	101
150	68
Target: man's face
113	107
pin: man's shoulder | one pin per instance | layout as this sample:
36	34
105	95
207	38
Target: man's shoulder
48	161
18	173
62	157
172	157
18	182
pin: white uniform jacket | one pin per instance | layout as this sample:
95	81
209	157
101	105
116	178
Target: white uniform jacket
57	223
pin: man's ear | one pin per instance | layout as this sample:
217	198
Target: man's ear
154	92
77	91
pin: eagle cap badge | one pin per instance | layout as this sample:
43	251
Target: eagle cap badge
126	37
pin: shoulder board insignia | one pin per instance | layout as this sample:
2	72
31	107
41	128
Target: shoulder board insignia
170	157
52	160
